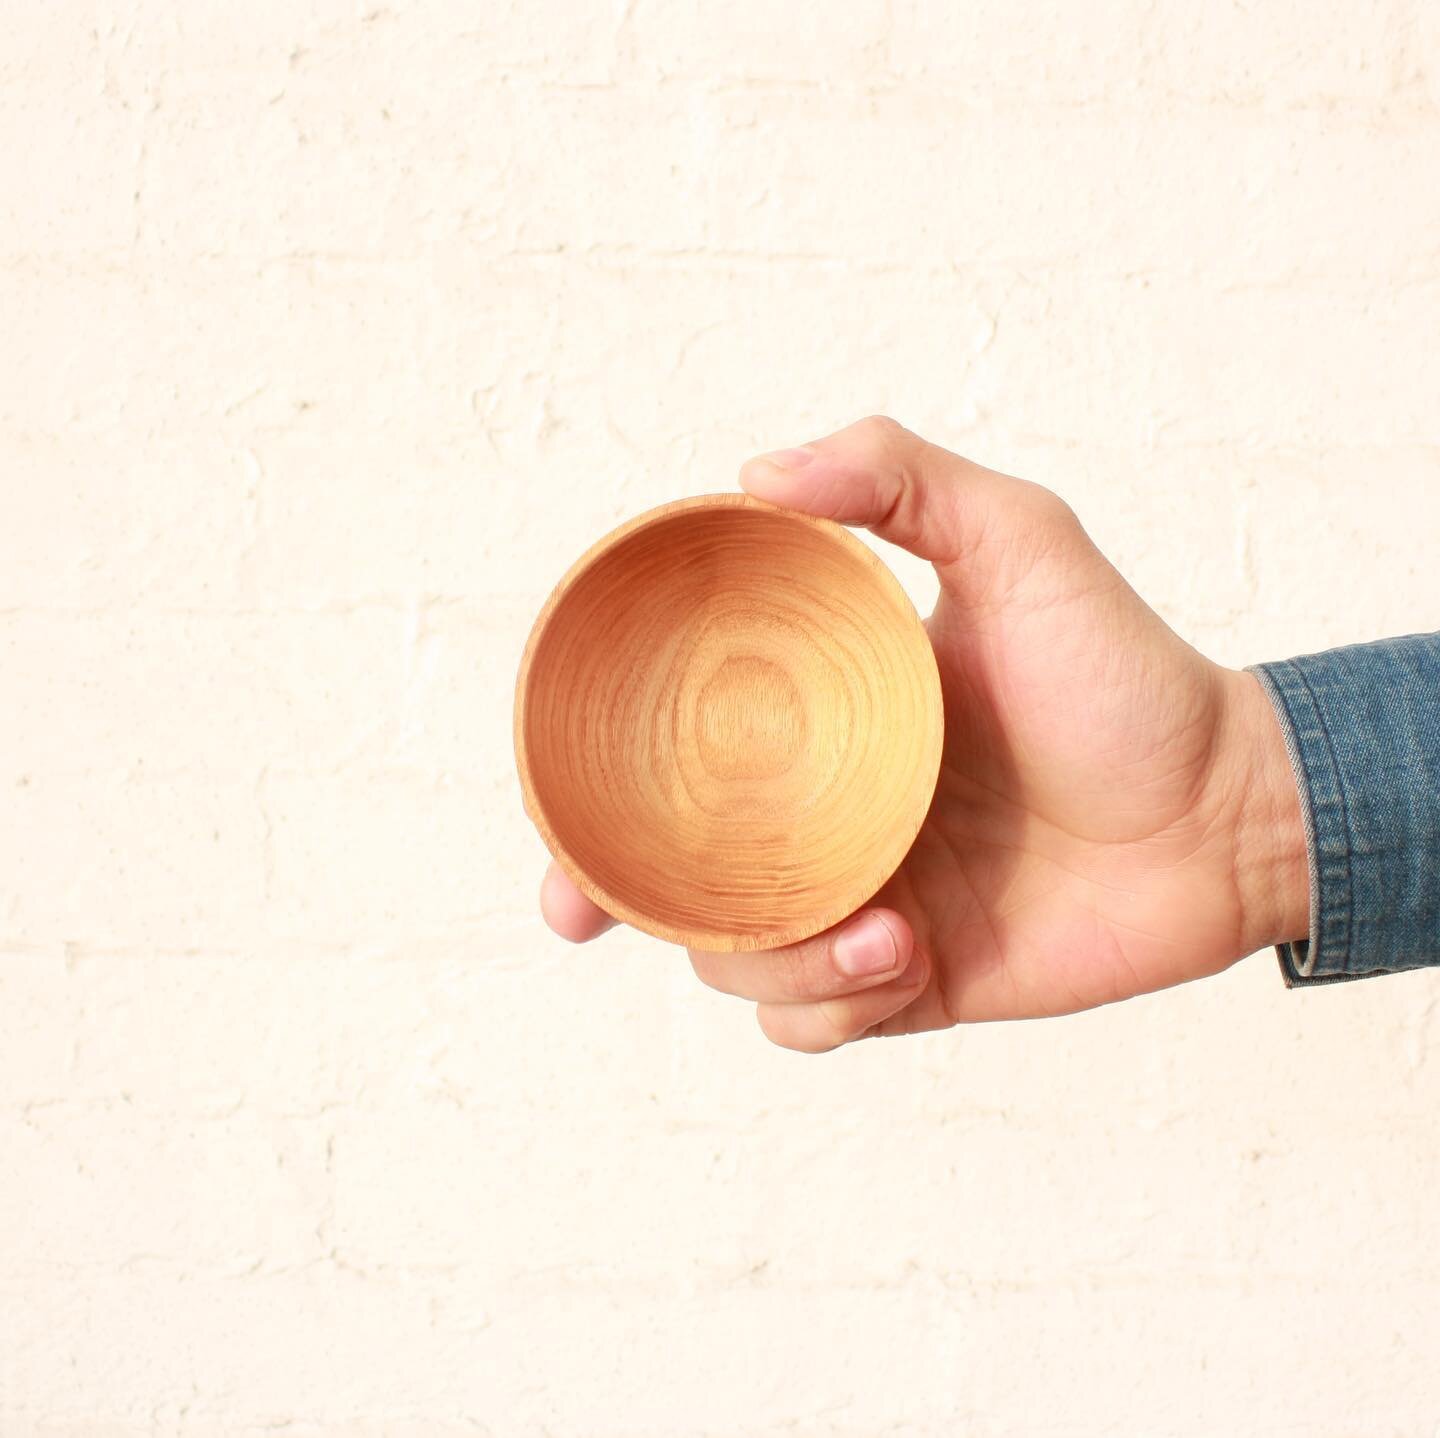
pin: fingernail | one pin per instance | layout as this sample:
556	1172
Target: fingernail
866	948
789	458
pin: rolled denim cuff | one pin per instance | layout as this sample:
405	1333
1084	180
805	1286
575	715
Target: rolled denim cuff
1362	728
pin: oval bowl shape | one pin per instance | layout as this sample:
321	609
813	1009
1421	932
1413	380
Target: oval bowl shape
728	723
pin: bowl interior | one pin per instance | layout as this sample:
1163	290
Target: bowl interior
731	724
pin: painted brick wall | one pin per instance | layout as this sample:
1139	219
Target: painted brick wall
331	333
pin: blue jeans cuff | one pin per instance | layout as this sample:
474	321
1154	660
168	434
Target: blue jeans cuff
1362	728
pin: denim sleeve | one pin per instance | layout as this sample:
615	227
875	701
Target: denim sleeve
1362	727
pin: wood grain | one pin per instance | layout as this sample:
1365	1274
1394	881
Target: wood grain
728	723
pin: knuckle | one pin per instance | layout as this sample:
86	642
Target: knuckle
839	1020
1047	505
879	432
777	1024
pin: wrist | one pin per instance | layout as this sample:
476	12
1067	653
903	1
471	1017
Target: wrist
1266	826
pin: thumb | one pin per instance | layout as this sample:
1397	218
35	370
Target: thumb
877	474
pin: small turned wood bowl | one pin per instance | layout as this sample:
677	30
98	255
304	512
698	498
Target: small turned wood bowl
728	723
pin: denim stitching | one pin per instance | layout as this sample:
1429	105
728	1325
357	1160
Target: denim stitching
1344	816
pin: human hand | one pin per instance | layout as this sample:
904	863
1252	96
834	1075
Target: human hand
1115	813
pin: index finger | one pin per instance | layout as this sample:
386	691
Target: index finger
568	911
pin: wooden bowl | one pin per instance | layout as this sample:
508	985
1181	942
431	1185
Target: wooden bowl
728	723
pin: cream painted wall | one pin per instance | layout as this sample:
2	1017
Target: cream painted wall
331	334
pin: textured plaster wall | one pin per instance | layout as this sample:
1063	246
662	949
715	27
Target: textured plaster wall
331	334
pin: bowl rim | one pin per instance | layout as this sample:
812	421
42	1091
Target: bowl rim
875	876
